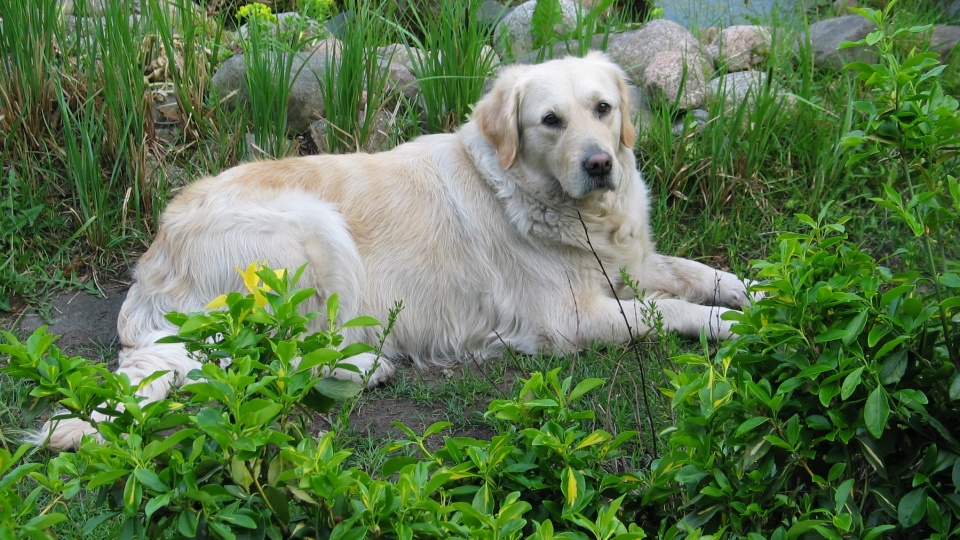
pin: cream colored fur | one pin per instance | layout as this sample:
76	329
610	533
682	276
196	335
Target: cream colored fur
481	234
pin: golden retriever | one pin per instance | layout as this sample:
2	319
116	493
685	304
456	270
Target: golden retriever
491	236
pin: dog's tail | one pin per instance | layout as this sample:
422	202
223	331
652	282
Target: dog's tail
141	325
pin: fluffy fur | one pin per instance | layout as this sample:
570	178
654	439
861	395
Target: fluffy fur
484	234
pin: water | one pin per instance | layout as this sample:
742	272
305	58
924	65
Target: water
704	13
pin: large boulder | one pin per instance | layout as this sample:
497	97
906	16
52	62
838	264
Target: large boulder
635	49
307	75
513	37
826	35
677	77
742	47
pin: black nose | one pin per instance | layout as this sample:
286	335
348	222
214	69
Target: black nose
598	164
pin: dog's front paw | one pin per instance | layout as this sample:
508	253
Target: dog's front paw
371	370
734	292
63	435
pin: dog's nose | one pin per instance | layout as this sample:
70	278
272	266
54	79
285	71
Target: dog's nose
598	164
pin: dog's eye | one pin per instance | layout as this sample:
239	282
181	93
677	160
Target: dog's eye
550	120
603	108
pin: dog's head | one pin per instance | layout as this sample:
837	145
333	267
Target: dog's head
564	118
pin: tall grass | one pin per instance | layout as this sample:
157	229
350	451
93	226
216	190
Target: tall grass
355	81
455	61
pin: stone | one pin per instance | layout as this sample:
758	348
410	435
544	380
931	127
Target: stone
513	38
307	75
635	49
400	79
678	77
741	87
826	35
742	47
944	39
693	121
408	57
842	7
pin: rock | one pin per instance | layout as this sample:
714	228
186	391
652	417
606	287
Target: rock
380	134
491	13
400	79
842	7
944	39
826	35
634	49
561	49
513	37
742	47
307	73
408	57
678	76
952	9
693	121
744	86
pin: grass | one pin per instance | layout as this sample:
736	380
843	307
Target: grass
84	176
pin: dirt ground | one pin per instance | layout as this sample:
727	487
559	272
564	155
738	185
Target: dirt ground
87	326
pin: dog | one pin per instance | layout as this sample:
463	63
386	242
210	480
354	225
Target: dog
510	232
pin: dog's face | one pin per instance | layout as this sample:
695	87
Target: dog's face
563	119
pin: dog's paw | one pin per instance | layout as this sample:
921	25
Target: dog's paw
734	292
63	435
371	370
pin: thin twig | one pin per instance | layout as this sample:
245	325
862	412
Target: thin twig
626	321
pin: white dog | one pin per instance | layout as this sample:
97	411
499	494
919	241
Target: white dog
491	236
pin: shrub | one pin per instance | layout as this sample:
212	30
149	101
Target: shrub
232	457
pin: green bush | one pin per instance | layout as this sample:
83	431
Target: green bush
231	455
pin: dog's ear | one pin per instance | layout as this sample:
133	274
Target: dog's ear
498	116
628	134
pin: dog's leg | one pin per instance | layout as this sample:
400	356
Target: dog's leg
607	318
137	363
371	370
695	282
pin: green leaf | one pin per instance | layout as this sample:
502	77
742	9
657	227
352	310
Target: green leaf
850	383
832	335
876	411
151	480
240	520
951	279
337	389
954	391
912	507
585	386
360	321
751	424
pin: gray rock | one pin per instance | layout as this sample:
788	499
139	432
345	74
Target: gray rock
491	13
307	75
741	87
513	37
678	76
742	47
408	57
560	50
693	121
826	35
952	9
944	39
400	79
635	49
